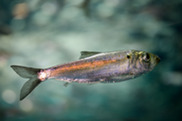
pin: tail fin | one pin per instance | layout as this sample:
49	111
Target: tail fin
33	81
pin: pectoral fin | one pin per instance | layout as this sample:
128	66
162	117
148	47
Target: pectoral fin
85	54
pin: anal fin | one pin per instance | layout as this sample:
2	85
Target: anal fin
66	84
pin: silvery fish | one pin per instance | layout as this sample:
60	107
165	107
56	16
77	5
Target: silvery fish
93	67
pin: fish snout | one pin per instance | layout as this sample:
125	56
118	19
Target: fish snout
157	59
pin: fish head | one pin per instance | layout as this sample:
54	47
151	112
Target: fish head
143	61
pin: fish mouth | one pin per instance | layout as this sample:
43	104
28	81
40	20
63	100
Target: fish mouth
158	59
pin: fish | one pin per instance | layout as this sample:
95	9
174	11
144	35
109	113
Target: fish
92	67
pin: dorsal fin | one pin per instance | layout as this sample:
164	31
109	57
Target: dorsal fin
85	54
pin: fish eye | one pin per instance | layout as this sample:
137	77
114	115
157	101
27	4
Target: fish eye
146	57
128	56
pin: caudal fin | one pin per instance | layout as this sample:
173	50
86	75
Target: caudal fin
32	74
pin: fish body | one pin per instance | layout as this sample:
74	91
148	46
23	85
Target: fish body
93	67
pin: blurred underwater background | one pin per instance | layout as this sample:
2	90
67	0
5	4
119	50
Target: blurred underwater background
45	33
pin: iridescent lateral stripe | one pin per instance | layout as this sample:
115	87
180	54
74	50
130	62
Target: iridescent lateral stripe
84	65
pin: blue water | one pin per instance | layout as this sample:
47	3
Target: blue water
49	33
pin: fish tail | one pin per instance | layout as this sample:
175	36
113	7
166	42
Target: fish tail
27	72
